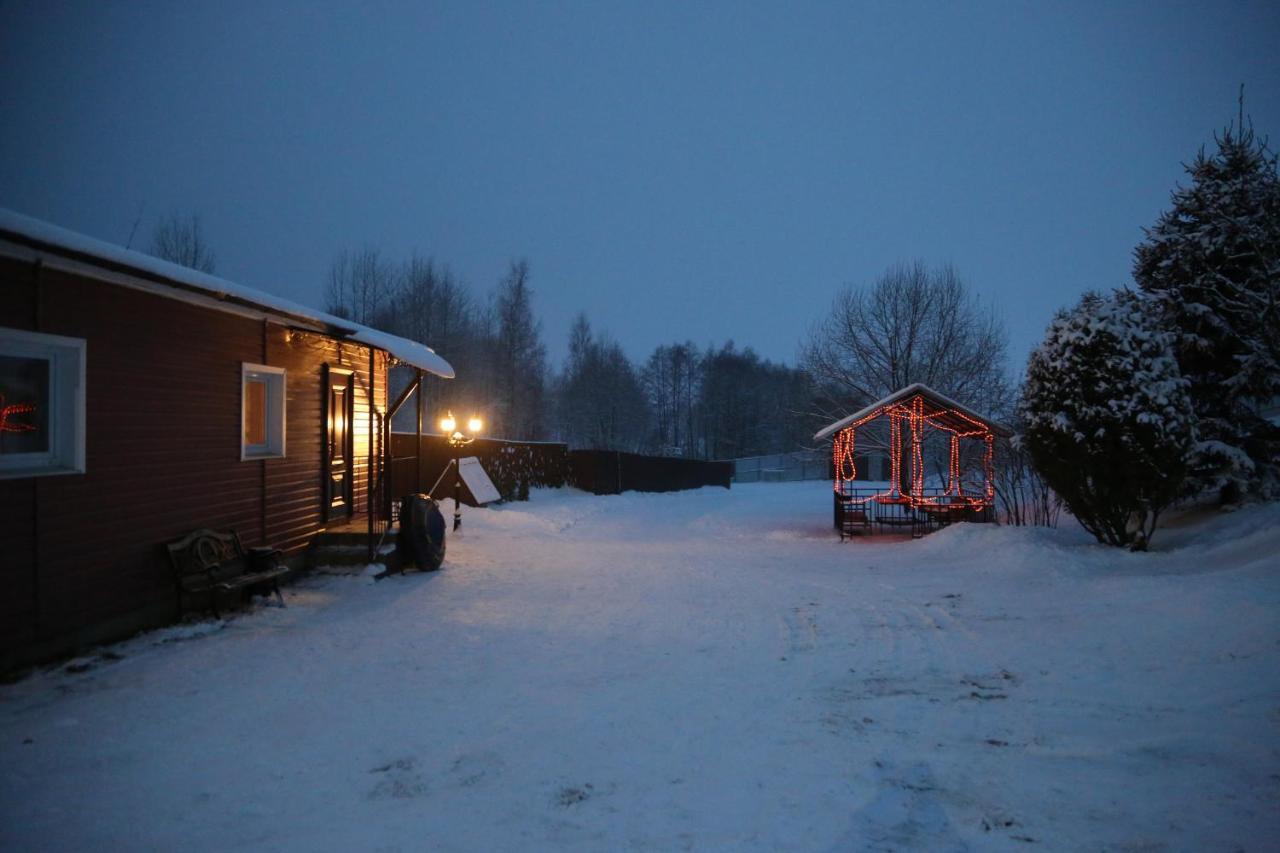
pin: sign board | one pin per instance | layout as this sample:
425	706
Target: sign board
473	474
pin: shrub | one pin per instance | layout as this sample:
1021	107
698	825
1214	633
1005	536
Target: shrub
1108	422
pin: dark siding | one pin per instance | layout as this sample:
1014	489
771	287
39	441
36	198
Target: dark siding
17	497
162	452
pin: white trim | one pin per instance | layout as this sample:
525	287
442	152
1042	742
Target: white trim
67	359
277	415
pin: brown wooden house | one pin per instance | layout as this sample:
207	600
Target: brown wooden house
140	400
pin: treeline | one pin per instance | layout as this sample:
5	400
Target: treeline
707	403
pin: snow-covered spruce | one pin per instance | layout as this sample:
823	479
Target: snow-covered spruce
1108	420
1212	262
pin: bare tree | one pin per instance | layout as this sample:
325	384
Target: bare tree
672	379
601	403
177	239
1024	498
913	325
429	305
360	287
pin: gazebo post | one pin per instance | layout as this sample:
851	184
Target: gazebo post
954	488
917	457
989	466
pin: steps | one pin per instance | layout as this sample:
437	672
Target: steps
344	551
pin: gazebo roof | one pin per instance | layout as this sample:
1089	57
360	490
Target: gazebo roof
955	415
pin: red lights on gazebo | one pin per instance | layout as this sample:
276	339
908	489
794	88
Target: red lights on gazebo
913	414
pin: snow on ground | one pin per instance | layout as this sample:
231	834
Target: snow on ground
708	670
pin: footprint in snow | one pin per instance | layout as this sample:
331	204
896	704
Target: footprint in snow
569	796
399	781
473	768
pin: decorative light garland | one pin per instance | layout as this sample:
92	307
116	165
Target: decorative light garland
9	411
917	419
844	458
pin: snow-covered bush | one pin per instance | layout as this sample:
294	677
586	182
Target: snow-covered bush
1212	264
1108	422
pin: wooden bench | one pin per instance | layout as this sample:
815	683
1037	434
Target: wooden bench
214	561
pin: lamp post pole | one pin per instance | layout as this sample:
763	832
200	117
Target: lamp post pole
458	440
457	486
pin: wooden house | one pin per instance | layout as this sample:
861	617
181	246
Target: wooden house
140	400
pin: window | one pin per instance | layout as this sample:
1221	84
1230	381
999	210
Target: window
262	412
41	404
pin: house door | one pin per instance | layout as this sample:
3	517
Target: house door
339	453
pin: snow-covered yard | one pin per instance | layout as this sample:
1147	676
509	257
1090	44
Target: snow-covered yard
708	670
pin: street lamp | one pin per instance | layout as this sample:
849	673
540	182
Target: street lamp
458	440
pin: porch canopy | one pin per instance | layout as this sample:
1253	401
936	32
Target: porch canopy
914	413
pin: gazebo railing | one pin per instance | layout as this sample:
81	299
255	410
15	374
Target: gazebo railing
861	510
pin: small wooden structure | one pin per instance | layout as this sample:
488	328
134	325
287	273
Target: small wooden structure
914	414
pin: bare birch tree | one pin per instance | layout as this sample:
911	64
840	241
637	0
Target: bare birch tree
360	287
177	239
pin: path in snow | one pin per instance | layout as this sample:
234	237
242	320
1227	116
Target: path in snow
705	670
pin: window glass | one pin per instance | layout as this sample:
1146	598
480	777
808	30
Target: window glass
24	405
255	412
262	411
42	404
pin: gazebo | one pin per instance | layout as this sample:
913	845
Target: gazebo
916	417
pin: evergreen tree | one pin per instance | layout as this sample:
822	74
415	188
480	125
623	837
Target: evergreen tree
601	403
1212	262
1108	421
518	359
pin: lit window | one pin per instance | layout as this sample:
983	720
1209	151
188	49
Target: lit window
262	412
41	404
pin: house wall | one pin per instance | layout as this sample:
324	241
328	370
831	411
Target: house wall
83	555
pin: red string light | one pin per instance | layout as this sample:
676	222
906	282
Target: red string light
6	412
843	456
917	419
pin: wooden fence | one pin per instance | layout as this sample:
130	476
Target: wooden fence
517	466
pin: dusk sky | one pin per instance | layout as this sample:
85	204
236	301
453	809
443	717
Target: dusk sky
704	171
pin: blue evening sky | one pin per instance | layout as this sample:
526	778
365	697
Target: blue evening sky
676	170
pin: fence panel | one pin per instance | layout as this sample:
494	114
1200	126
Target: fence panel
517	466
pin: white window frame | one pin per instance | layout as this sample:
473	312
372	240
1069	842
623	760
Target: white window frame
274	377
67	358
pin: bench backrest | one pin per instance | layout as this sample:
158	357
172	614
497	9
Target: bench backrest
202	550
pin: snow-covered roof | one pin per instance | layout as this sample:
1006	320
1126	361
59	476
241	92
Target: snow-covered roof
904	394
179	282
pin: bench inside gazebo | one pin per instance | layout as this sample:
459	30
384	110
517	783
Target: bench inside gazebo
915	425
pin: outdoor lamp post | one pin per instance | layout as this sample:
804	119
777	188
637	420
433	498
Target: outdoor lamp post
458	440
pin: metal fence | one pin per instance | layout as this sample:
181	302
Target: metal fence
783	467
805	465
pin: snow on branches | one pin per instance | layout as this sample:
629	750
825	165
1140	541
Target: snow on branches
1212	264
1108	420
